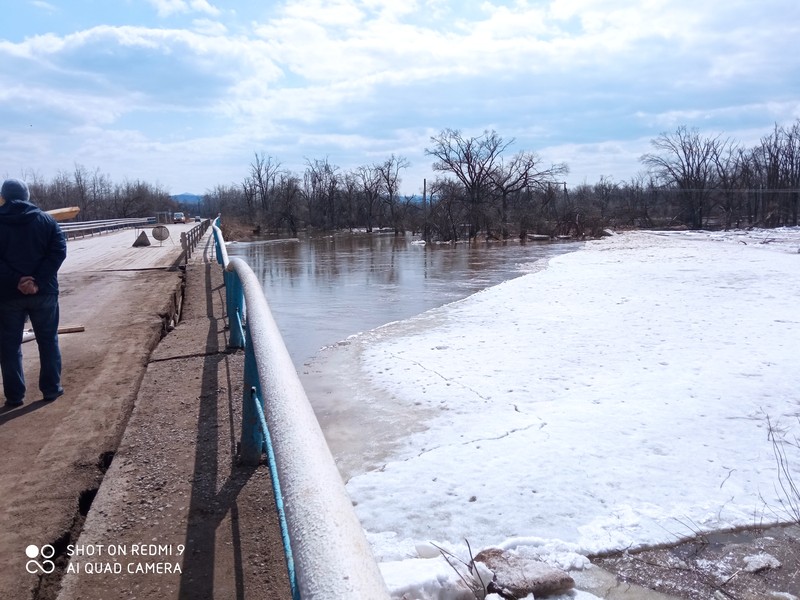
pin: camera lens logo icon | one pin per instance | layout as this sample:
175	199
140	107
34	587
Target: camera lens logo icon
46	552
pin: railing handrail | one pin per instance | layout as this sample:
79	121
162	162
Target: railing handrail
331	556
100	222
90	227
190	239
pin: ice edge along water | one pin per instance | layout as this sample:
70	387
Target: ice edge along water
616	399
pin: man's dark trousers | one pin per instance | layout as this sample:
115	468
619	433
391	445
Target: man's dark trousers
42	309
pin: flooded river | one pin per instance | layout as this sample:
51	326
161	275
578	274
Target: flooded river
323	289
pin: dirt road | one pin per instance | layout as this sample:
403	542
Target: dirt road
155	423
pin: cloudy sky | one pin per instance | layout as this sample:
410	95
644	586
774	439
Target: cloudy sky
184	93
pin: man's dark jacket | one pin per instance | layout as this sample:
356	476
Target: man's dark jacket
31	243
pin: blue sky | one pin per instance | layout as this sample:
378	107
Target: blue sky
183	93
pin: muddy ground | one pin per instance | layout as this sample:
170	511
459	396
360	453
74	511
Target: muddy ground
749	564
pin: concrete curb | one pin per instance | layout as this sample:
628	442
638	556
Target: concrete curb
208	527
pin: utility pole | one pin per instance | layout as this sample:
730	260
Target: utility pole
425	210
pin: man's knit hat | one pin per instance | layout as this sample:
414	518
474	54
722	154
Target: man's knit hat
14	189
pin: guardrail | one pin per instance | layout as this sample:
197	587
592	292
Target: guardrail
190	239
84	228
327	553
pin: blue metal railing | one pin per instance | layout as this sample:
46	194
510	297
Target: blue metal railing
328	555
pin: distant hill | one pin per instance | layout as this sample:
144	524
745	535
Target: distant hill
187	198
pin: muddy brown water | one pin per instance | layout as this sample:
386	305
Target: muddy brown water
322	289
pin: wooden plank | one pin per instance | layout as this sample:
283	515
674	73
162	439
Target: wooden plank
28	334
64	214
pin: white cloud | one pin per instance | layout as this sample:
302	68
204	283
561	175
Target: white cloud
167	8
203	6
376	76
329	13
45	6
775	110
342	41
207	27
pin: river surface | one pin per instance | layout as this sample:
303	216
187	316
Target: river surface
323	289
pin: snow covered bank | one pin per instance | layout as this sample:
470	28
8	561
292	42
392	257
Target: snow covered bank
616	399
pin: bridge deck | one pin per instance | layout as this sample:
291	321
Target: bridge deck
115	251
167	414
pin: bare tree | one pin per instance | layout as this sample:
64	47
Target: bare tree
263	171
99	190
521	172
56	194
370	179
288	201
81	187
791	168
637	200
445	214
389	174
137	199
228	200
776	162
320	183
351	192
728	173
687	161
473	161
250	193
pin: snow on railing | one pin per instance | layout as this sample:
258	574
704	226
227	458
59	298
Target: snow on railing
328	556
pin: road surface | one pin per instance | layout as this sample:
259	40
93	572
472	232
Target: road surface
140	449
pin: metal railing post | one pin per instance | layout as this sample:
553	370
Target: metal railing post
234	295
252	442
235	300
218	252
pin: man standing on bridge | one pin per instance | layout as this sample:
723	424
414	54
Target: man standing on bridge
32	248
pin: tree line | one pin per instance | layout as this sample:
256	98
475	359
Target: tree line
717	181
482	189
97	195
478	189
